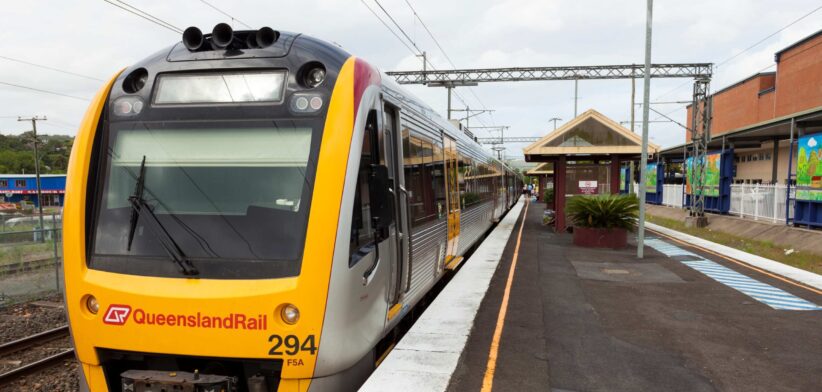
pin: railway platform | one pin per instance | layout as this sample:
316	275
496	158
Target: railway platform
564	318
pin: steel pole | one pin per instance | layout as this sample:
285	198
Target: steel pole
646	97
449	101
576	95
37	176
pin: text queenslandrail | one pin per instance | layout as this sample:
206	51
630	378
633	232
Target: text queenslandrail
199	320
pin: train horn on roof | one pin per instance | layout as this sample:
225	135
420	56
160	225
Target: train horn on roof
221	36
193	38
266	36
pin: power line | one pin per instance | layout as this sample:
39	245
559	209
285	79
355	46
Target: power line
50	68
444	53
416	52
419	52
749	47
145	15
389	28
769	36
44	91
224	13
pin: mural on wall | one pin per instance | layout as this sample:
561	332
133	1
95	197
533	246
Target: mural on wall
650	178
809	168
712	175
622	180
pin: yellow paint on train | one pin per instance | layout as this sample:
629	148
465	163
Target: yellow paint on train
168	315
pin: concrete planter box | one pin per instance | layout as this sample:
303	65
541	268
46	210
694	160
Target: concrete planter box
590	237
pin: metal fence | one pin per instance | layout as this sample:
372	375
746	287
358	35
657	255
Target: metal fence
672	195
760	202
30	257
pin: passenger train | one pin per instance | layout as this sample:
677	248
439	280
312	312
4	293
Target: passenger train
257	211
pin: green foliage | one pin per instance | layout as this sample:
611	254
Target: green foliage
603	211
17	153
548	196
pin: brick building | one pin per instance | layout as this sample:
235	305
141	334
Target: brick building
752	114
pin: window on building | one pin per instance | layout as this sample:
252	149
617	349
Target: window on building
19	183
361	241
4	183
767	156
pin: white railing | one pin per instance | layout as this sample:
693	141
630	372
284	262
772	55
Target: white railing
760	202
672	195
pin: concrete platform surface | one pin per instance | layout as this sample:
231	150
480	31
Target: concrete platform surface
680	319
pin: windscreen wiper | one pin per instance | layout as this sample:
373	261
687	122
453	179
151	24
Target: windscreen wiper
141	209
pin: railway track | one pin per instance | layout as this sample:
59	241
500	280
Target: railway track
26	266
34	341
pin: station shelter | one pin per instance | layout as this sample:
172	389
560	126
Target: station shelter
586	155
17	188
544	175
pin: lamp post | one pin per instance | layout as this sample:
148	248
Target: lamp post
645	113
554	120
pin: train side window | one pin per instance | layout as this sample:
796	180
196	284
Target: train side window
420	162
361	241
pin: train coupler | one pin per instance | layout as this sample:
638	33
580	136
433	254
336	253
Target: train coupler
156	381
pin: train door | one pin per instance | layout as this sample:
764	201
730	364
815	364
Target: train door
453	197
392	145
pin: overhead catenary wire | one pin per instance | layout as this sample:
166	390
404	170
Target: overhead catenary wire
50	68
418	52
388	27
44	91
225	13
757	43
145	15
445	54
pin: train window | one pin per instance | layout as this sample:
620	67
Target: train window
234	195
235	87
421	169
438	180
361	241
19	183
4	183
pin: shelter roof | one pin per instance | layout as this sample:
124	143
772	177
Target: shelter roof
543	168
589	134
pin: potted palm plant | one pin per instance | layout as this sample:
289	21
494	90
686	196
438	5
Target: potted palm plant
602	221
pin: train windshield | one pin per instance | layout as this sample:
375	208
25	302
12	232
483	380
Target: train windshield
233	195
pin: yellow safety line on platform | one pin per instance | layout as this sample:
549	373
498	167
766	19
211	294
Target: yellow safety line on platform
490	368
746	265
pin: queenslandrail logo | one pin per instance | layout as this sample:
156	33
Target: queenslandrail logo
119	314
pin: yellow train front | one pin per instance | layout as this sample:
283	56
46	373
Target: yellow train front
241	214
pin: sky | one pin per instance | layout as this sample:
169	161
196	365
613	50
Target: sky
95	39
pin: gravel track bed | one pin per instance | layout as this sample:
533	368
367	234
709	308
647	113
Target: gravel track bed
59	378
19	321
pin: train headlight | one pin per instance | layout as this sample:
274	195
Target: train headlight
290	314
311	74
92	305
128	106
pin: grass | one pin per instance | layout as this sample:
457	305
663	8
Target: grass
804	260
17	252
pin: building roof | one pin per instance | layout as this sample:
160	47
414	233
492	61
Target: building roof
795	44
30	175
572	138
544	168
751	135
